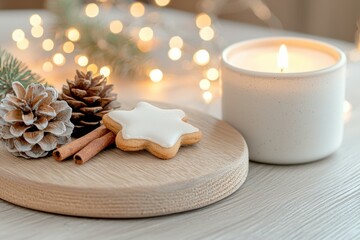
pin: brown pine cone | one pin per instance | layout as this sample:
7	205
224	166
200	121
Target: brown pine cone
90	98
33	122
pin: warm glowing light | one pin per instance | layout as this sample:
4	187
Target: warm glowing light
37	31
76	58
156	75
176	42
162	3
144	46
116	26
68	47
204	84
347	107
105	71
137	9
207	96
207	33
23	44
92	10
73	34
47	67
48	44
146	34
92	67
174	54
201	57
35	20
282	62
18	35
203	20
82	61
58	59
212	74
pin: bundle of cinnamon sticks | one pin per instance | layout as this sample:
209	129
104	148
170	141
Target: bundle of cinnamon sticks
86	147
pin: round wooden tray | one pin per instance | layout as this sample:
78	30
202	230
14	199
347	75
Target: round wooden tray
117	184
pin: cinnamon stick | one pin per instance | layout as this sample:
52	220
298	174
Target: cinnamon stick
73	147
94	148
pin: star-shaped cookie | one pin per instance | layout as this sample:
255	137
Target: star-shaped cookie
146	127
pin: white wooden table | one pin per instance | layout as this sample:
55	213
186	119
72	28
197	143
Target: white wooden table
320	200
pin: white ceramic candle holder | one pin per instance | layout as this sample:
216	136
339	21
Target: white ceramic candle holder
287	117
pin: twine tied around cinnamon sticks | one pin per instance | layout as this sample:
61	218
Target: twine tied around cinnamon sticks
86	147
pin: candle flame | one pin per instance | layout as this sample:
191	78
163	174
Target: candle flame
283	58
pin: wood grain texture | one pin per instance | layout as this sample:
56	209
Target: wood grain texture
117	184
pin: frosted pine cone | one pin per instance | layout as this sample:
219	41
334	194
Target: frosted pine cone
90	98
34	122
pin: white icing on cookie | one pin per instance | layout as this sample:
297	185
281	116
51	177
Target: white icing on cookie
145	121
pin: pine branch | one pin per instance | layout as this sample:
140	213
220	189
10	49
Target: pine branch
118	50
11	70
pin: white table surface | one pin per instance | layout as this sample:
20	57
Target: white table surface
320	200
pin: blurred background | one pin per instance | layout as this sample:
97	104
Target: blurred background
329	18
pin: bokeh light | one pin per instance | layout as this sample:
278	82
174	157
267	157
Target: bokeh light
105	71
92	67
207	96
48	44
146	34
37	31
92	10
47	67
212	74
23	44
82	61
116	26
206	33
174	54
203	20
201	57
144	46
162	3
35	20
137	9
59	59
176	42
156	75
68	47
18	35
73	34
204	84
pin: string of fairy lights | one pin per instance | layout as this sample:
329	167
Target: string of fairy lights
145	35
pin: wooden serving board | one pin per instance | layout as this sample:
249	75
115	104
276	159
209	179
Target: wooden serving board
117	184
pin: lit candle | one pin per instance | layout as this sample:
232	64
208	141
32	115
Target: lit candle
273	56
283	59
285	95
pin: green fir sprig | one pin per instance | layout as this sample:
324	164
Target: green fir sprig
100	45
12	70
